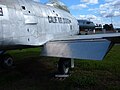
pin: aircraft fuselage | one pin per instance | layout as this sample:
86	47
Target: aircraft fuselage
31	23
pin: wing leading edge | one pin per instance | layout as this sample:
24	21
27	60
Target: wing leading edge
93	47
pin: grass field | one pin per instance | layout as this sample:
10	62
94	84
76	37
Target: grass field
33	72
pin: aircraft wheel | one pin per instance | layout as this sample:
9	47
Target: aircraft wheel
7	61
64	65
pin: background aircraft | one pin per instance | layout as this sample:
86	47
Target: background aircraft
25	24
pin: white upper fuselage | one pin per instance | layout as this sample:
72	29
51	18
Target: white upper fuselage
25	22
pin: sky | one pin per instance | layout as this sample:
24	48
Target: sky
98	11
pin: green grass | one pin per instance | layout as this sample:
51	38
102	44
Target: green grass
98	74
33	72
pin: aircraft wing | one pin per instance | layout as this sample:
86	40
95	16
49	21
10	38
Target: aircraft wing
93	47
93	36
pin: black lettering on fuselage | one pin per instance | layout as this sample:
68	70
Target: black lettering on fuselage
1	11
58	20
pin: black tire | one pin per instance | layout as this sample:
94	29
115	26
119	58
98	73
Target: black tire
64	65
6	61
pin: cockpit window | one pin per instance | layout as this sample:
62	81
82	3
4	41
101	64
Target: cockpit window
1	11
88	22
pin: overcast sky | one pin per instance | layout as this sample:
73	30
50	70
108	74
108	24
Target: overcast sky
99	11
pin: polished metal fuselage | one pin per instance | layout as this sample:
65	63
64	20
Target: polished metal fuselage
25	22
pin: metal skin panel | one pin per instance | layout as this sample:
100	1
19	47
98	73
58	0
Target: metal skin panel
30	20
5	17
78	49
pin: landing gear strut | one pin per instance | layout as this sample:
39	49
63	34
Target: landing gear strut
64	66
